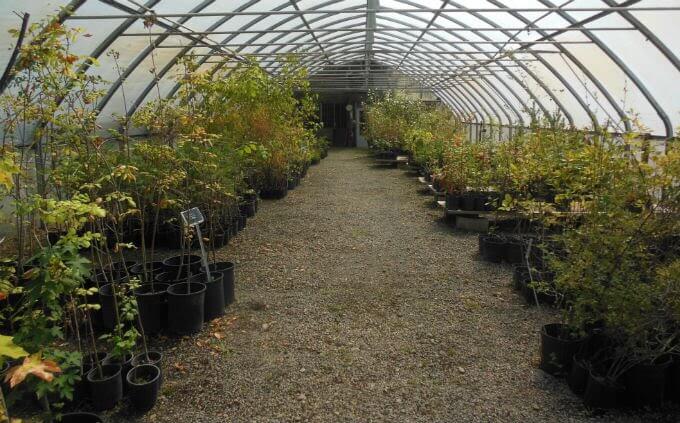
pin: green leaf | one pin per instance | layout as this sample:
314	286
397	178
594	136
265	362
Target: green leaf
9	349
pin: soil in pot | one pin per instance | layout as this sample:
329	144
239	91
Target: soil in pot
152	305
577	379
106	391
214	296
601	393
226	268
186	307
646	383
183	264
80	417
558	349
144	382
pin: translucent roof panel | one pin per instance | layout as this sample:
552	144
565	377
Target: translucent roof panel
597	62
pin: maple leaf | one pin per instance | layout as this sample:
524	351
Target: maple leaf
34	365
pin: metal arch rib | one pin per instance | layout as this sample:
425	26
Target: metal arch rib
172	62
248	25
524	67
582	68
617	60
145	53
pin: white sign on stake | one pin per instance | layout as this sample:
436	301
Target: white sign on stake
194	217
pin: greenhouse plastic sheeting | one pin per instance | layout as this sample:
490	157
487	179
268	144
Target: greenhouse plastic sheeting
593	61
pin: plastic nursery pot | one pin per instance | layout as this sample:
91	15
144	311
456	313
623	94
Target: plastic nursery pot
520	273
601	393
274	193
673	390
108	305
514	251
213	306
577	379
242	222
493	249
106	391
152	268
557	352
121	269
125	364
480	201
183	264
153	357
467	202
452	201
152	306
186	307
292	183
226	268
646	383
171	278
80	417
145	382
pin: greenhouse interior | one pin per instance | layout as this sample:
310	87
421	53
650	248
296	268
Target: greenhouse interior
340	211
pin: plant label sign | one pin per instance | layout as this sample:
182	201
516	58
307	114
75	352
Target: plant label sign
192	217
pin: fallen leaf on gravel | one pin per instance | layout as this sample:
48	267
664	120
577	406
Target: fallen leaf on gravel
218	335
461	370
180	367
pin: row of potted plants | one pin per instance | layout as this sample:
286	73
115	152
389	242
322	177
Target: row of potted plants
594	233
81	204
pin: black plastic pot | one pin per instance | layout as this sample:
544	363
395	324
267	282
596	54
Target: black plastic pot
557	352
214	296
125	364
106	391
152	305
480	202
452	201
520	273
226	268
154	357
121	269
274	193
673	385
144	382
247	208
601	394
80	417
186	307
183	264
514	251
493	249
292	183
108	306
242	222
577	379
646	383
152	268
467	202
171	278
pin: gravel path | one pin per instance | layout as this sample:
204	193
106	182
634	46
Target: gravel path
357	303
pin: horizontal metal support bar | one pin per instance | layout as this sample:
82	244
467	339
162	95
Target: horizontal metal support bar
335	52
361	43
380	10
349	30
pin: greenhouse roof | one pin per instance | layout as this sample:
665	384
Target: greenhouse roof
594	61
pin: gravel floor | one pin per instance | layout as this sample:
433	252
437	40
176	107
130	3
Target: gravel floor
357	303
